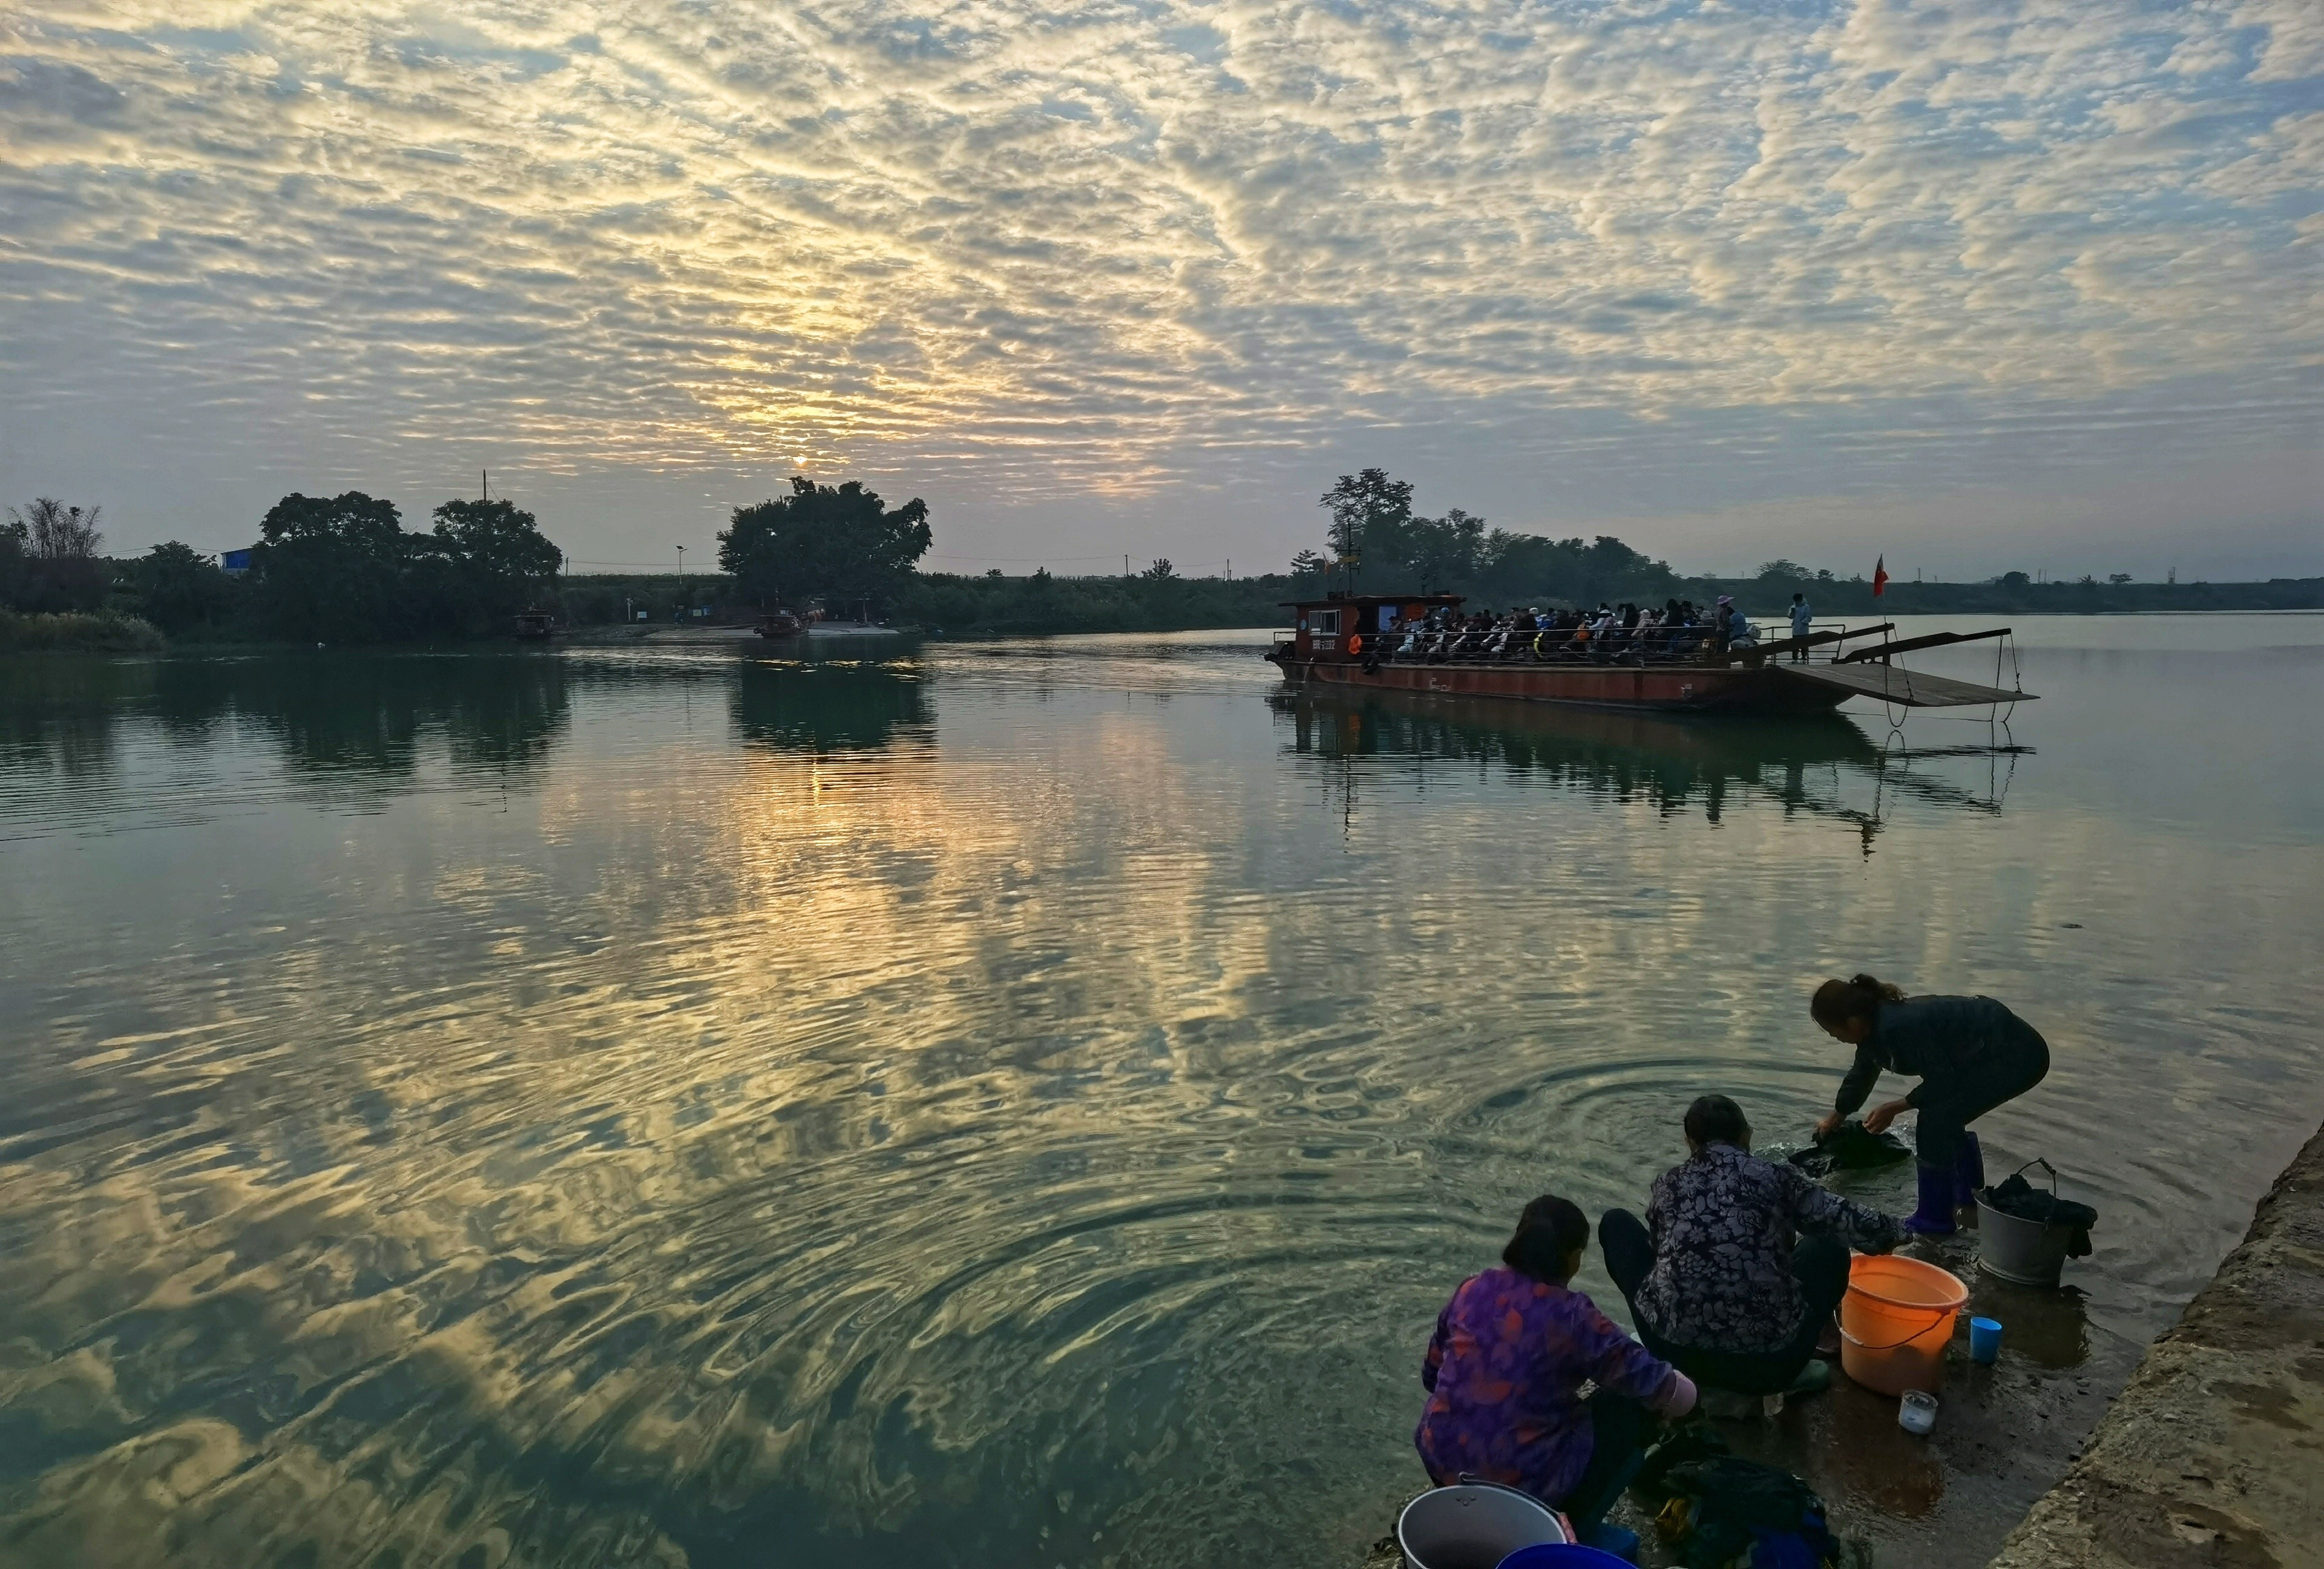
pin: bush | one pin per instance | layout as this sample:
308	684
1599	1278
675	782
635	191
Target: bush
70	630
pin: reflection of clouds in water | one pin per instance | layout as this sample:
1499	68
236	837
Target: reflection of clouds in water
1059	1118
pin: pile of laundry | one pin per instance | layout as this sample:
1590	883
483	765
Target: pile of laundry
1849	1147
2016	1196
1719	1511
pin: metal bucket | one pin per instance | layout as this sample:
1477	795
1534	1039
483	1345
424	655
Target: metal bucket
1472	1526
2028	1253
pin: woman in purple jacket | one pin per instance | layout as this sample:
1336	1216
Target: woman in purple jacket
1505	1370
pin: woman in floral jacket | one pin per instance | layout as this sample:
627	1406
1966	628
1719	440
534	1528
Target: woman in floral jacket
1720	1280
1505	1370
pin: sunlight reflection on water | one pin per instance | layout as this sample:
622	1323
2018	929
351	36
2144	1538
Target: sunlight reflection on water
1008	1103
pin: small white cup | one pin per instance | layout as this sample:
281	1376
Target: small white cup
1916	1413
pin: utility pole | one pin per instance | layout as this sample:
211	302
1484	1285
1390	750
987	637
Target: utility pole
488	483
681	561
1125	563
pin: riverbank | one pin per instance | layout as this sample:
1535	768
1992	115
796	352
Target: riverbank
2211	1453
2206	1457
71	633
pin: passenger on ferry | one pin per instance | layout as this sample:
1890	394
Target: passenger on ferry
1740	632
1720	1279
1686	633
1505	1371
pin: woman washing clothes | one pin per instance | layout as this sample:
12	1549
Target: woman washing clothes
1970	1053
1720	1280
1505	1369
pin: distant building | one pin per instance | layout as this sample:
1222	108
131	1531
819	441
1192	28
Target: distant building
234	563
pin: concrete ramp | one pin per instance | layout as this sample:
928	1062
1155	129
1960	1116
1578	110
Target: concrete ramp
1894	684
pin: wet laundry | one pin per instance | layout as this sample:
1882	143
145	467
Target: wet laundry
2016	1196
1723	1512
1849	1147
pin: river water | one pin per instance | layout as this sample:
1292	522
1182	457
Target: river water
1004	1104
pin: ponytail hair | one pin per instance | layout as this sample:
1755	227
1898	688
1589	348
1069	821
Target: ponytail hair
1860	997
1547	1235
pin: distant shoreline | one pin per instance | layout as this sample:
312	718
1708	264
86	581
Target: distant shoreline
115	636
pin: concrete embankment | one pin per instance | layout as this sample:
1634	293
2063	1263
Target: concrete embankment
2213	1454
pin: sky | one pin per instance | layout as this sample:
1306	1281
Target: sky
1973	286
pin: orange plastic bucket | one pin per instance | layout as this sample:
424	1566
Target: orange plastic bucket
1895	1321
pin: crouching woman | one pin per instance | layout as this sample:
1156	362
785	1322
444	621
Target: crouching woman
1505	1373
1741	1262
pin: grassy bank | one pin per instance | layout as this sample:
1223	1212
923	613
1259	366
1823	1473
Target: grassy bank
69	632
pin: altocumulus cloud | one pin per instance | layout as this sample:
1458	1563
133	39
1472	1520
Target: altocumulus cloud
1093	247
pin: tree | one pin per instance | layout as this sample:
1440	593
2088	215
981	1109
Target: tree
332	570
2117	579
53	531
178	589
54	557
1160	572
838	542
1309	563
1441	551
499	558
1369	516
1783	573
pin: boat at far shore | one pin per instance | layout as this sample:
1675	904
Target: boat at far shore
1419	643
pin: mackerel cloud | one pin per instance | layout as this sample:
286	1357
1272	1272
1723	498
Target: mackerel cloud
1090	249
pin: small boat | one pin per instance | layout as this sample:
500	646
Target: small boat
535	626
1419	643
781	624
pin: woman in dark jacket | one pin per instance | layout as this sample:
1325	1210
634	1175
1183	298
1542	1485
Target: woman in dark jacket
1970	1053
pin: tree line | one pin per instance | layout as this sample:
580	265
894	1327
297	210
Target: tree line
344	569
326	569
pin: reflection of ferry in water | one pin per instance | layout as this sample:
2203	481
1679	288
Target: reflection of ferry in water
1419	643
1818	763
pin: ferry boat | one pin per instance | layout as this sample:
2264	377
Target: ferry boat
1419	643
781	624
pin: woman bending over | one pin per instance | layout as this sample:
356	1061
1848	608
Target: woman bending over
1970	1053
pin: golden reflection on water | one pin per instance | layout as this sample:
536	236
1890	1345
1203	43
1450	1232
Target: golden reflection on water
682	1112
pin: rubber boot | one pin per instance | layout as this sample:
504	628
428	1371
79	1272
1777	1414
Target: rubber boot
1935	1215
1814	1378
1968	1171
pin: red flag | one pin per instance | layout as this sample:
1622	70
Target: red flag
1879	575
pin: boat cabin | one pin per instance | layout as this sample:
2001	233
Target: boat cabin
1342	626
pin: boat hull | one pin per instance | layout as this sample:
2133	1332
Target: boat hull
1703	688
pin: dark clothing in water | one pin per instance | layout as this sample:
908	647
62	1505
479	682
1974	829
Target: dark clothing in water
1970	1053
1818	1269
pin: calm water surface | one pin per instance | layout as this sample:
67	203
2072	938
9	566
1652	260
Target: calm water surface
1008	1104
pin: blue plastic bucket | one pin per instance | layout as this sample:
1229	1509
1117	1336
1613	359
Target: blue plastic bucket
1554	1555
